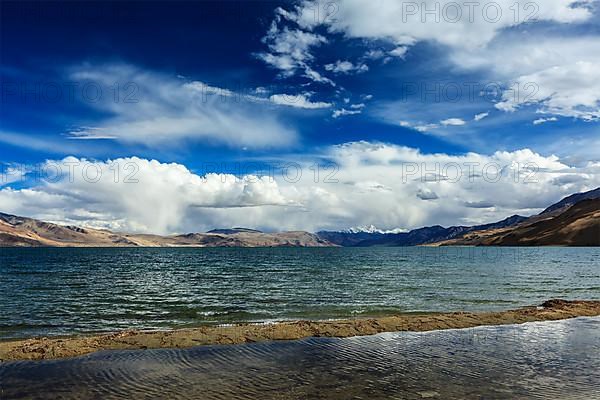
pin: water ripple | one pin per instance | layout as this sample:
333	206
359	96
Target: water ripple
549	360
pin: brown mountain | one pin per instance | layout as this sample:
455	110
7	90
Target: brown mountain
569	225
27	232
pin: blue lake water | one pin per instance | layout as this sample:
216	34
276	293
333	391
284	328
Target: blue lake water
49	291
547	360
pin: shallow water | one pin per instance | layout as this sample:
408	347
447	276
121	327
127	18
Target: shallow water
66	291
547	360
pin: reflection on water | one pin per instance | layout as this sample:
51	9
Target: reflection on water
549	360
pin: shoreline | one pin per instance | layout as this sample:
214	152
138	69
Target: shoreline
63	347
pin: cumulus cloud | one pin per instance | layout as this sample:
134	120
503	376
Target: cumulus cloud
516	182
356	184
134	194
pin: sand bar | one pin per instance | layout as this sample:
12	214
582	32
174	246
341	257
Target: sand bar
52	348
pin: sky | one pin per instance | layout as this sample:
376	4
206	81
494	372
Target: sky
172	117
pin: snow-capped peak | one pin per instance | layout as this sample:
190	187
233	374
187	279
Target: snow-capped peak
372	229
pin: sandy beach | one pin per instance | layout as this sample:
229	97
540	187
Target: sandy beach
53	348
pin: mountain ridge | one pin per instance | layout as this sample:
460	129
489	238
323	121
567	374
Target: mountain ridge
572	221
577	225
415	237
572	199
18	231
438	235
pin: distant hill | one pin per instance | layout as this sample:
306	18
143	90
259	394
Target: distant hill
233	231
351	239
430	234
28	232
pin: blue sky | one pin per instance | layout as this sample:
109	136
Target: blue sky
205	86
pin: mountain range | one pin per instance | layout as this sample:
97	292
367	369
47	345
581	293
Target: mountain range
27	232
426	235
573	221
574	225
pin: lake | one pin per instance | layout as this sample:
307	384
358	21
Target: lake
62	291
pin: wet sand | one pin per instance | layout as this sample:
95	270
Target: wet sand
53	348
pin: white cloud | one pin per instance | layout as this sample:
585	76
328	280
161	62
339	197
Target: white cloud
298	101
12	173
408	173
420	128
453	122
283	62
515	55
454	24
343	112
346	67
481	116
556	74
387	55
540	121
478	35
135	194
168	111
290	50
570	90
39	142
374	54
427	194
399	52
316	76
373	183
